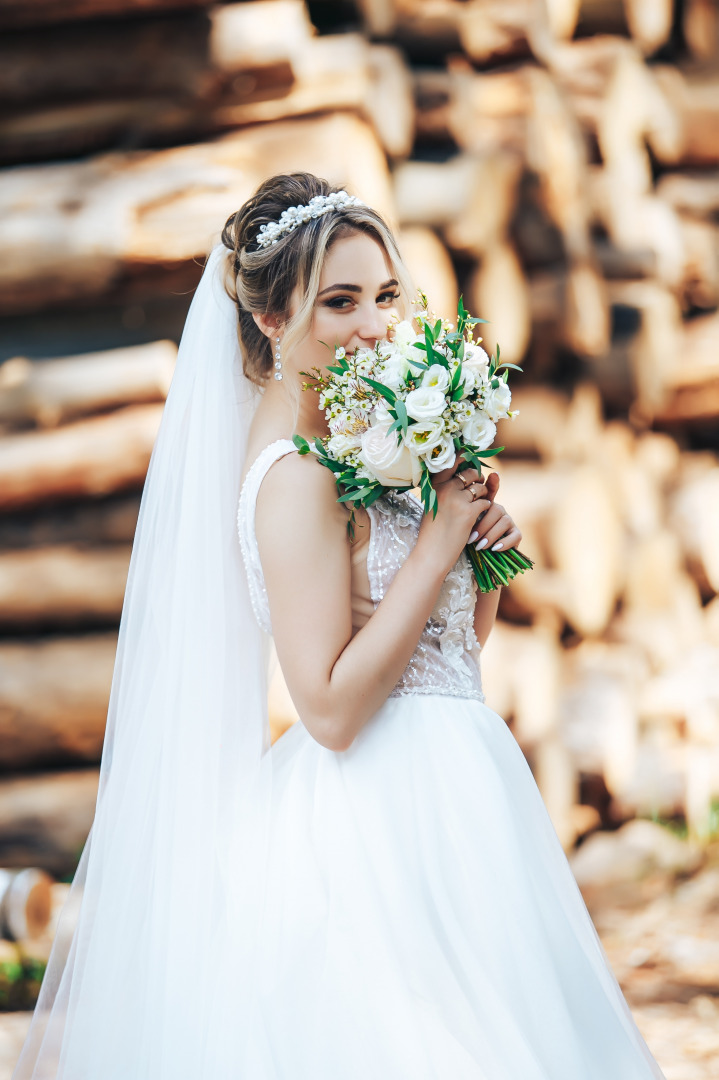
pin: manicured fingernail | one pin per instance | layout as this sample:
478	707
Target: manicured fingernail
497	546
481	544
473	536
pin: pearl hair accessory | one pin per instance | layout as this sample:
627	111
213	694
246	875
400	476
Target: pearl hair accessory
294	216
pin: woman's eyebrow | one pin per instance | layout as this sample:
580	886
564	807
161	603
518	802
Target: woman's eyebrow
356	288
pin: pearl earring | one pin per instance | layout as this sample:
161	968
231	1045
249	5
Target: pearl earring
278	360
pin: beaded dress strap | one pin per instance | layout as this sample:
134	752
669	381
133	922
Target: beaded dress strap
246	526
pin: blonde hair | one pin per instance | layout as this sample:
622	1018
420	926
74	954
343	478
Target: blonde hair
263	279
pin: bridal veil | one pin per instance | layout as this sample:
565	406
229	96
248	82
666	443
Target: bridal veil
141	982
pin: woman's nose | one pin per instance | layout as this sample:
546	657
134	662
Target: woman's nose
372	326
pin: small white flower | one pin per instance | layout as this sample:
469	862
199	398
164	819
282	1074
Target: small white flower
340	353
425	402
343	443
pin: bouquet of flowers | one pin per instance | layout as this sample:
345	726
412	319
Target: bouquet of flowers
402	411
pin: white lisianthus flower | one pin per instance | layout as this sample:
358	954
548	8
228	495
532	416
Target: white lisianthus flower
425	403
404	337
442	456
422	437
496	402
390	464
395	369
380	415
470	380
343	443
476	358
436	376
478	430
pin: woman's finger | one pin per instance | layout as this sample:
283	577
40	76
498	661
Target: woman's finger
495	525
510	540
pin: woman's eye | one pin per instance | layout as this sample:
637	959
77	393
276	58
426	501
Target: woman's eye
388	297
338	302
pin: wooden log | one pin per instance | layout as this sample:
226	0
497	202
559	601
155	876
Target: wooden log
54	695
62	585
544	414
45	819
498	292
25	903
19	13
575	306
50	392
158	211
650	22
488	112
338	72
557	154
586	324
431	268
691	193
110	520
134	57
90	457
699	286
469	198
264	33
696	101
700	23
697	519
692	383
586	542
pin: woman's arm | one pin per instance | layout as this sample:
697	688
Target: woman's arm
338	681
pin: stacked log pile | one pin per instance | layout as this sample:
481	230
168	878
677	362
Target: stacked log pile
554	160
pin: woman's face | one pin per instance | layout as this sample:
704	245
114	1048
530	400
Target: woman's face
357	297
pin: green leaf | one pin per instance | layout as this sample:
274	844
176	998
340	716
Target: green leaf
506	364
401	410
302	445
386	393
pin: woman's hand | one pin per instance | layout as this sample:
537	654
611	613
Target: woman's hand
461	500
495	529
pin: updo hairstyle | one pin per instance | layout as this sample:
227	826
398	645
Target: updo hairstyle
263	279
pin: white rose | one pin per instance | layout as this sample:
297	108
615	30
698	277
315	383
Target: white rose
443	456
425	403
424	436
497	402
390	464
343	443
436	376
478	430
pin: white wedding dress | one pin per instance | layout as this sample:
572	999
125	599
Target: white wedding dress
420	920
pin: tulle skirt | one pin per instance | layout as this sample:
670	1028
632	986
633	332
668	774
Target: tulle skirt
420	919
399	911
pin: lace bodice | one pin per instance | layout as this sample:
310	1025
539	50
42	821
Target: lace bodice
446	660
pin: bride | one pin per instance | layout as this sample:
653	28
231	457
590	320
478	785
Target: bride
380	893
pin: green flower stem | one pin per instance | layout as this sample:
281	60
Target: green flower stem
495	568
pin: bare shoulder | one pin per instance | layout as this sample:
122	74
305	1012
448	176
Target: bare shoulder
297	489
